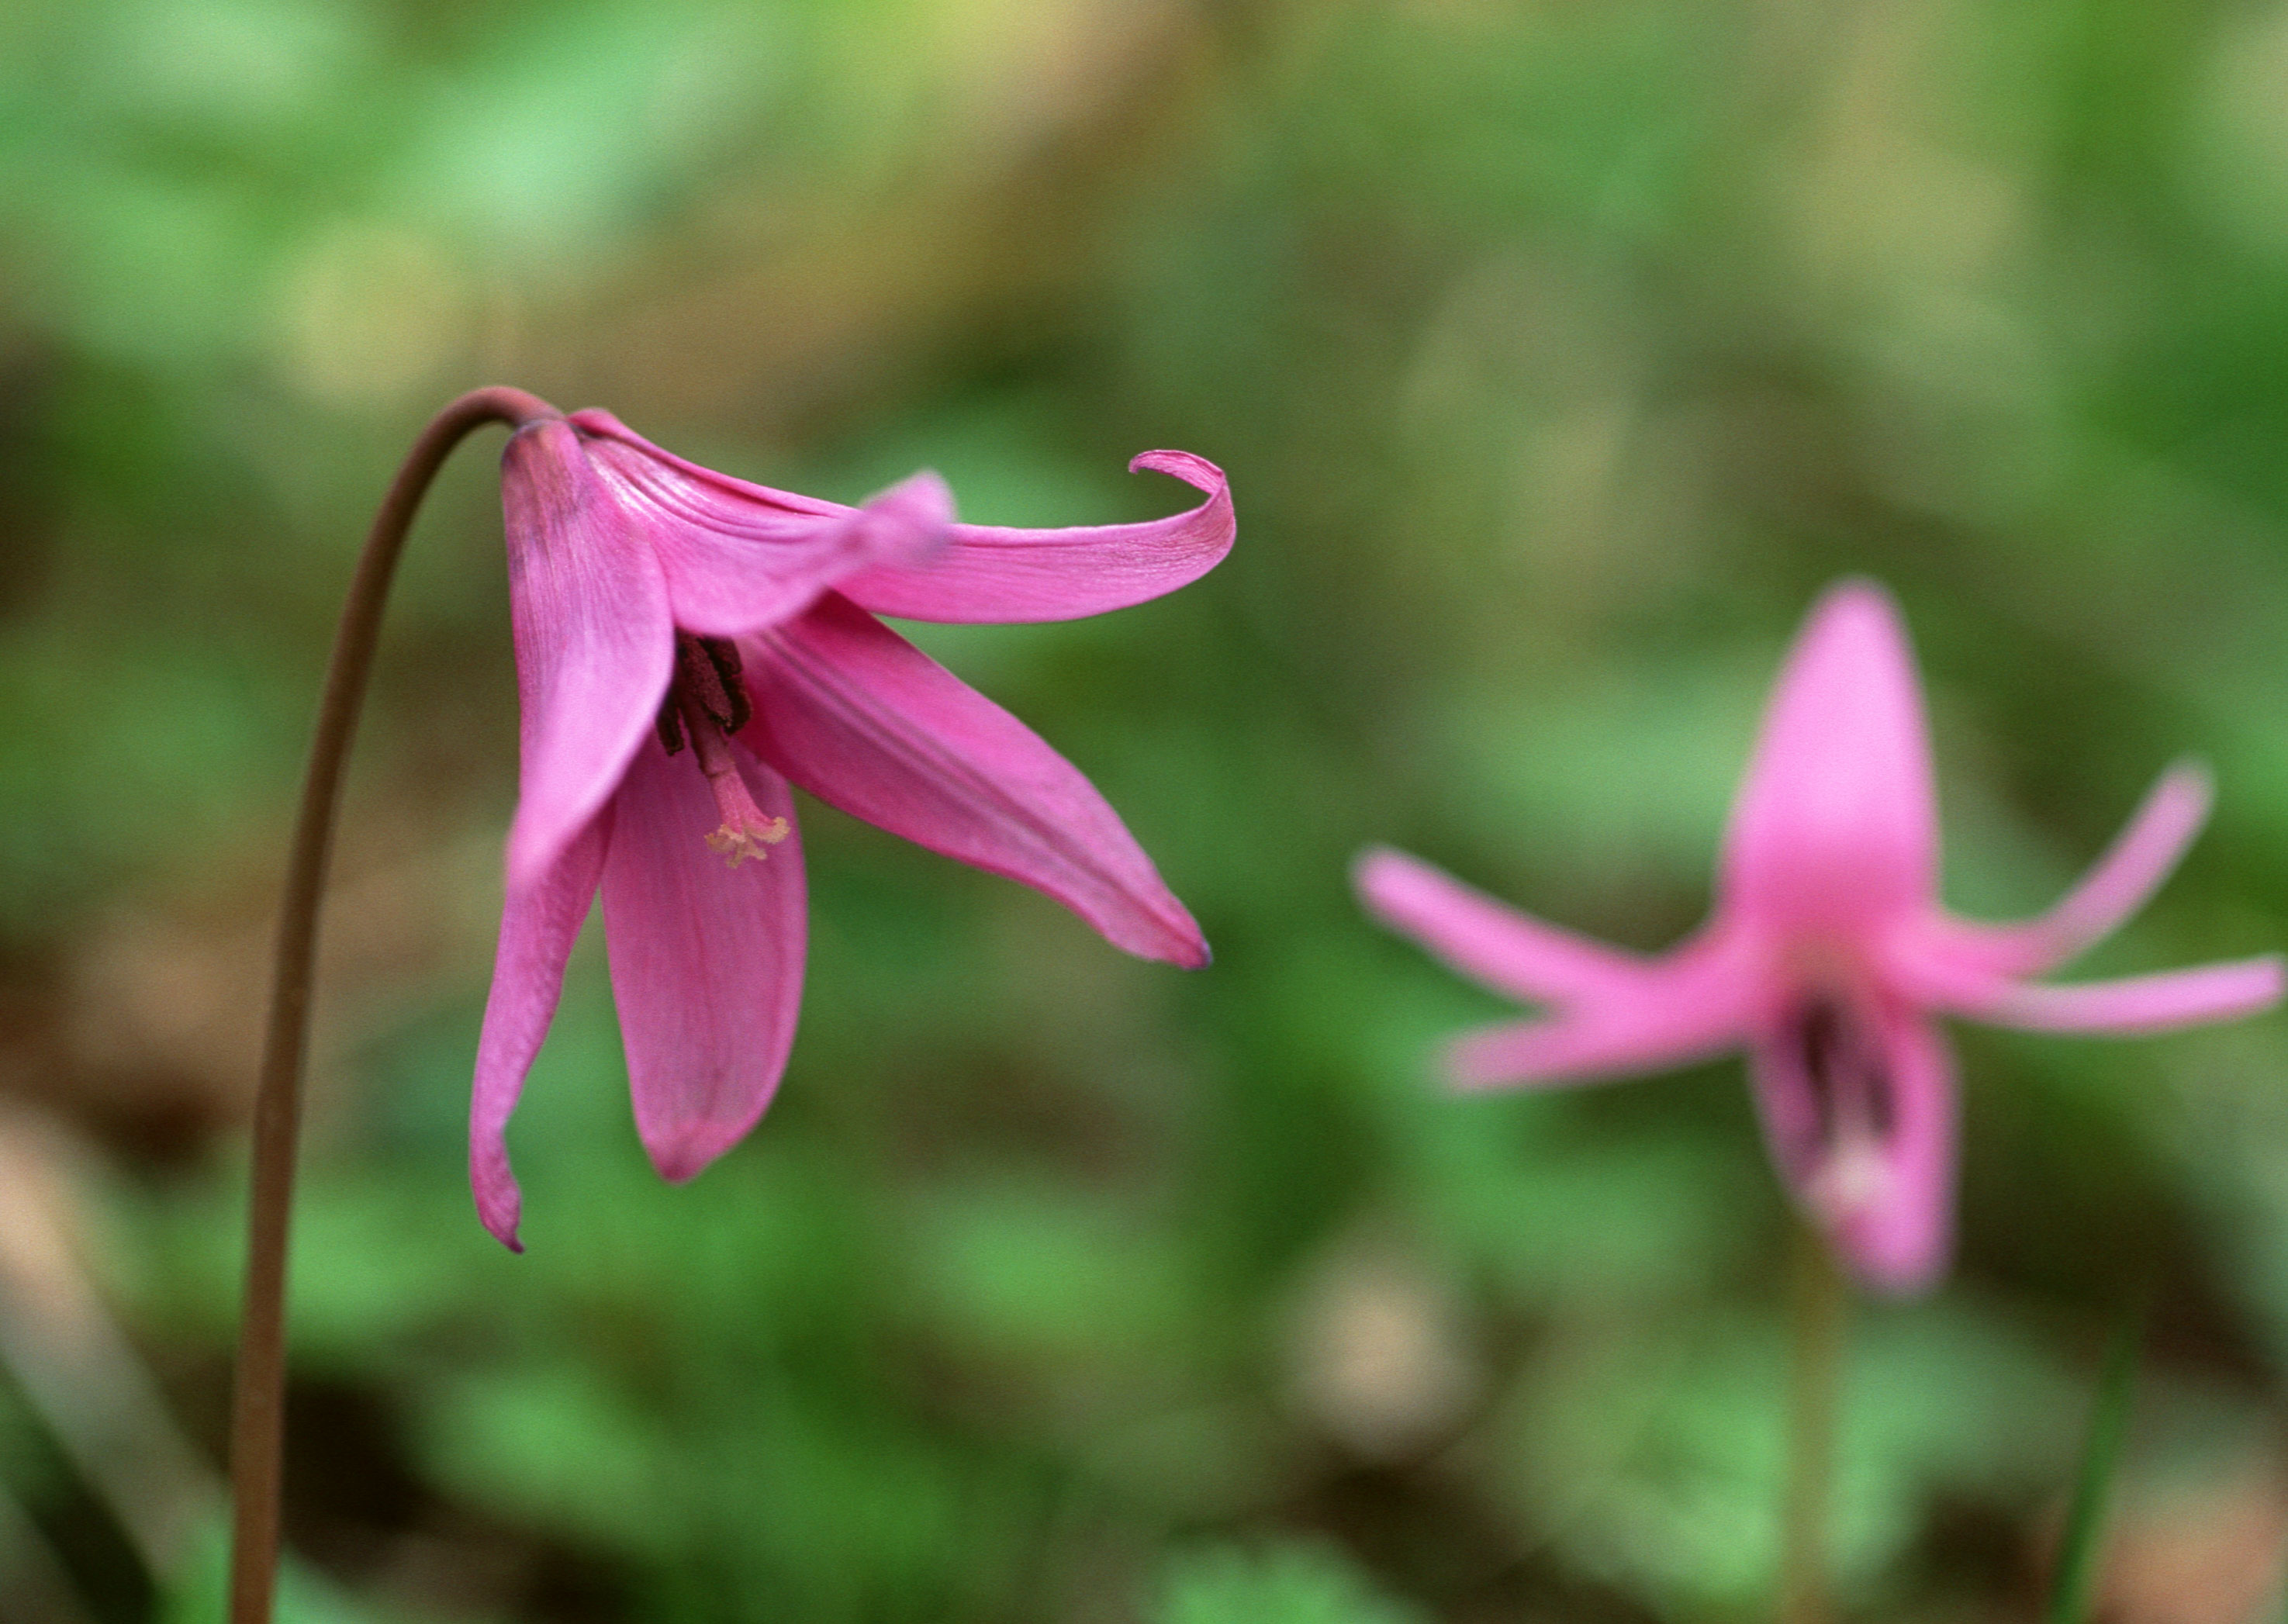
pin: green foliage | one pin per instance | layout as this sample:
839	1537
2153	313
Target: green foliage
1559	354
1282	1584
2075	1577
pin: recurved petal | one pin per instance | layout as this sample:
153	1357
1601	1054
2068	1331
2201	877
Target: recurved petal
1860	1118
2131	1004
594	640
1486	940
538	926
862	719
1836	826
2141	855
989	573
706	960
1673	1013
601	428
739	557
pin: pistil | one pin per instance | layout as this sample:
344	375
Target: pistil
707	701
745	830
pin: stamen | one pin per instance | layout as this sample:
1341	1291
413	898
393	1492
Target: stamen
707	671
1849	1080
707	700
723	654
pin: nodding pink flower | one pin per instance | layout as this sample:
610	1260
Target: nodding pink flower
1828	953
686	644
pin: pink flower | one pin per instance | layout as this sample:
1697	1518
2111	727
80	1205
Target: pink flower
686	644
1828	953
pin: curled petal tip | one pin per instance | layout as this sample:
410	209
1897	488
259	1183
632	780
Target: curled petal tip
993	572
501	1214
500	1204
1191	954
1196	471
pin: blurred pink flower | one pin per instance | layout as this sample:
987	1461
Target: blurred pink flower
661	607
1828	953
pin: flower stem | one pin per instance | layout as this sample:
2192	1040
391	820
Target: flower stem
258	1403
1816	1317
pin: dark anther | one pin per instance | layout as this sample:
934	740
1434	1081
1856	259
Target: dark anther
671	723
707	677
724	655
1850	1084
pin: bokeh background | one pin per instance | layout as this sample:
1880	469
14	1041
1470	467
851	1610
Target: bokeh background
1560	351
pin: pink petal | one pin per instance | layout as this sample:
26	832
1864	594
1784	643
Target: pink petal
1674	1011
866	722
2131	870
593	640
603	430
706	958
1882	1191
538	926
1836	826
2131	1005
988	573
1486	940
740	557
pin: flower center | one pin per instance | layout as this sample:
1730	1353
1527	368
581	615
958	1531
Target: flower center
706	699
1849	1082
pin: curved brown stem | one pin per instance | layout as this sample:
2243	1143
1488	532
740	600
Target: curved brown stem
259	1402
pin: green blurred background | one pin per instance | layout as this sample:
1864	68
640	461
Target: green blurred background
1560	351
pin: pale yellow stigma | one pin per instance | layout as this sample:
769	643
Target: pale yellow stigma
737	845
